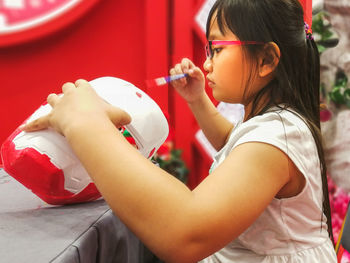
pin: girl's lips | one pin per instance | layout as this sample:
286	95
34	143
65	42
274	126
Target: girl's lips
211	83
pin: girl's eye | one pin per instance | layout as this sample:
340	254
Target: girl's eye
216	50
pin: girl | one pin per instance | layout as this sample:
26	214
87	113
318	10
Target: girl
266	196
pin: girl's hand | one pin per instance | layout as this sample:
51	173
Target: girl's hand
192	87
80	103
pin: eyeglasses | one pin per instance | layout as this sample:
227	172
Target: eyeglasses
209	46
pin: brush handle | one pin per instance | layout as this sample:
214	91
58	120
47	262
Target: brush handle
164	80
175	77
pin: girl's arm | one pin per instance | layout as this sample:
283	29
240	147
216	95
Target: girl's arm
215	127
176	224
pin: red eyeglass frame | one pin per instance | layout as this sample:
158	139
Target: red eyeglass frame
209	51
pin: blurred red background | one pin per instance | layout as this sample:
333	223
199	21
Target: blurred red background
132	40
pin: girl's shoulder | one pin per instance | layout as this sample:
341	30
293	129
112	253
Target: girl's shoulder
282	128
280	115
276	123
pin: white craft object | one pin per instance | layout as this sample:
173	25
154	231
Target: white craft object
44	162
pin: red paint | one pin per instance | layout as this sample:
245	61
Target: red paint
152	152
36	172
139	95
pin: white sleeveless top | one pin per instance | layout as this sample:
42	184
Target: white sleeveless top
290	229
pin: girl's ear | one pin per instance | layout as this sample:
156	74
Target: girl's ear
269	59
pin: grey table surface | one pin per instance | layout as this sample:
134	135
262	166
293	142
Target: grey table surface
34	231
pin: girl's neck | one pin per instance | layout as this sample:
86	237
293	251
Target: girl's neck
251	110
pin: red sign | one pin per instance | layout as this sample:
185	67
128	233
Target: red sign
23	20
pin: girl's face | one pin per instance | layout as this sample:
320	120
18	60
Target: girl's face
229	70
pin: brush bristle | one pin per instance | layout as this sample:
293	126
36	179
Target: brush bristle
160	81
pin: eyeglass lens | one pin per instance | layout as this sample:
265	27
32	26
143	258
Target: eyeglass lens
208	50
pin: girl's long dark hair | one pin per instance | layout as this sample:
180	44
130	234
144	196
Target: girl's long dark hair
297	77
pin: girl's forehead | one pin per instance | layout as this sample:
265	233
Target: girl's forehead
214	29
216	34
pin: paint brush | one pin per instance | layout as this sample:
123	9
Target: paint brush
164	80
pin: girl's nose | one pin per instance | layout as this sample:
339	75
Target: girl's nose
208	66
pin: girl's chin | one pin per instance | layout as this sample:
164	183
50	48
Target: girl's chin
216	96
219	97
